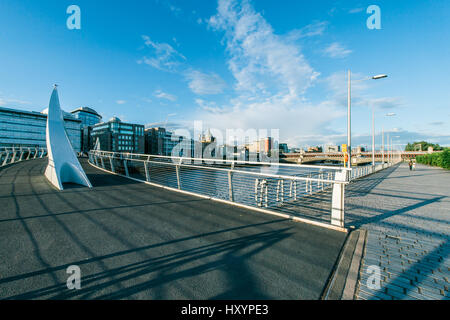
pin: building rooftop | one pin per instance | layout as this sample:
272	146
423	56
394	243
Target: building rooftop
88	110
43	113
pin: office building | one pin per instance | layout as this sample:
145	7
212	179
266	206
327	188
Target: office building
118	136
283	147
89	117
27	128
159	141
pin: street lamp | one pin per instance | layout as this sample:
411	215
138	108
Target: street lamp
349	134
391	114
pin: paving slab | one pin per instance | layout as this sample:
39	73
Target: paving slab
407	215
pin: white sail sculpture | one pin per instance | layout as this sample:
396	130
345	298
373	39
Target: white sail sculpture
63	165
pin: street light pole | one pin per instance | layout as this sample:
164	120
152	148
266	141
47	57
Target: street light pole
382	145
349	134
373	136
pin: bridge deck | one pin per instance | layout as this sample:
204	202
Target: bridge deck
132	240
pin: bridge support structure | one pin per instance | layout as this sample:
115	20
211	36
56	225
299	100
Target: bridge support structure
63	165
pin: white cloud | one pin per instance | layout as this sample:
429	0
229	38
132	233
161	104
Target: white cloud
163	55
261	61
121	102
336	50
314	29
163	95
6	101
294	120
203	83
356	10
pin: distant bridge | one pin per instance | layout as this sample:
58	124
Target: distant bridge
358	158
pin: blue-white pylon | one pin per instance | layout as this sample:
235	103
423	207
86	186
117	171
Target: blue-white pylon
63	165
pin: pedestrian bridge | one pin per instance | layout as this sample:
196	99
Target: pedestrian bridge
133	240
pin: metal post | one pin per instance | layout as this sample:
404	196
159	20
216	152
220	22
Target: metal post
349	133
6	158
230	183
126	167
338	197
112	164
147	173
177	168
230	186
266	192
257	191
14	155
382	146
373	137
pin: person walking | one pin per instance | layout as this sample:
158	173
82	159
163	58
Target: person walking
410	164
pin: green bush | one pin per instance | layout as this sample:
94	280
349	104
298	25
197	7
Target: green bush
439	159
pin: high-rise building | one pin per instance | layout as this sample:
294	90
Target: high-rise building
118	136
27	128
89	117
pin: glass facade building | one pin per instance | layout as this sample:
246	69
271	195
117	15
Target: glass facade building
118	136
27	128
89	118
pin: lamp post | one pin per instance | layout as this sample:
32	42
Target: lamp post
391	114
349	134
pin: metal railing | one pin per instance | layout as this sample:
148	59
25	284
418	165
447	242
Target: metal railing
359	172
15	154
274	187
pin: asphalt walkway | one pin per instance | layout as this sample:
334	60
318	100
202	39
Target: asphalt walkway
135	241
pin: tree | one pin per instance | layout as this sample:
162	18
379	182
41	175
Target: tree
422	146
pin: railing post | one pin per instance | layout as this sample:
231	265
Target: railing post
230	183
103	163
126	167
112	164
338	199
147	173
256	191
6	158
266	191
14	155
177	168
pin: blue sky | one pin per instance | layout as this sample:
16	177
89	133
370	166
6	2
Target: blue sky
236	65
